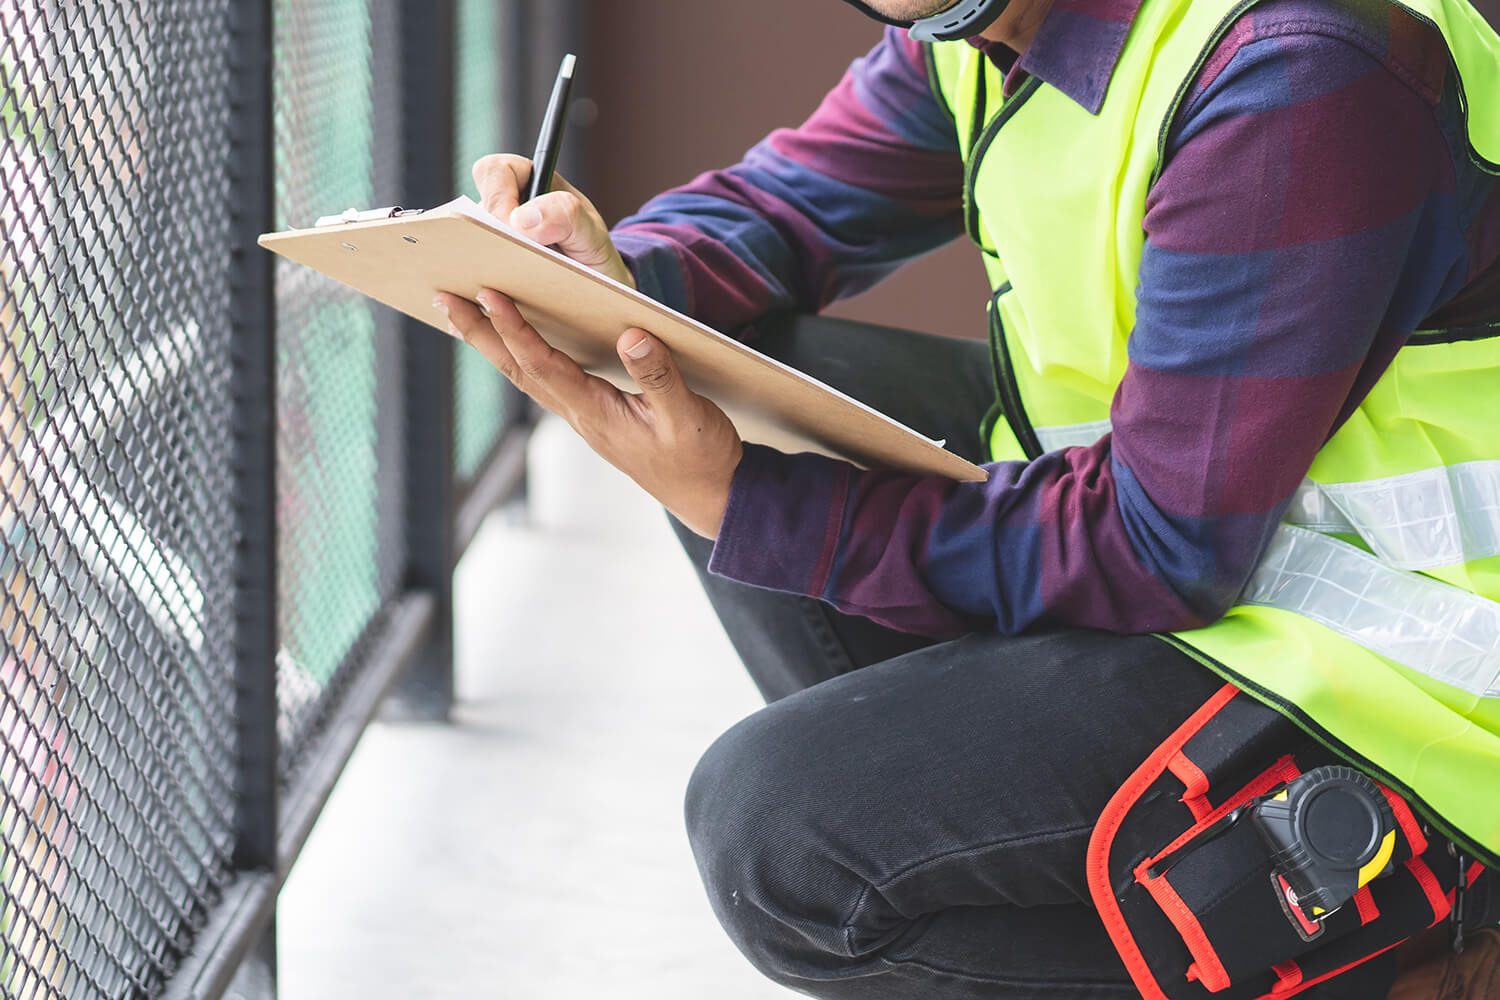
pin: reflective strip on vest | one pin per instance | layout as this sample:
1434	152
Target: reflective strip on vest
1071	435
1311	508
1437	517
1442	631
1421	520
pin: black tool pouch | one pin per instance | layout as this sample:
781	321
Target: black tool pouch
1192	902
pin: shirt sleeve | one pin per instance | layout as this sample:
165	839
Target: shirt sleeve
812	214
1304	223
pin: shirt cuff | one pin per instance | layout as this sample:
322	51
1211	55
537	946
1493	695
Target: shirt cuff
657	269
782	525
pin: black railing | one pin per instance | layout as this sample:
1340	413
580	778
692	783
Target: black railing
232	493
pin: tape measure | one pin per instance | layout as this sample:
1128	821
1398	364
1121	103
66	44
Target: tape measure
1332	833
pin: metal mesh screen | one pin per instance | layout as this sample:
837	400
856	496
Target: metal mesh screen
478	390
116	532
125	648
329	553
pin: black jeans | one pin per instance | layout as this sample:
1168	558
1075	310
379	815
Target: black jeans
908	818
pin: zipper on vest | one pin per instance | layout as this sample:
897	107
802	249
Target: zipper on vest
1005	382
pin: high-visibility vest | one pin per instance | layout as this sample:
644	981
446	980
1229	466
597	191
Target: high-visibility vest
1373	619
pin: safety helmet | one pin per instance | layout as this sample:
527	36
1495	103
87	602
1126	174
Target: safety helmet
962	19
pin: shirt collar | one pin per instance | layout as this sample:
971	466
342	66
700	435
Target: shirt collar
1075	50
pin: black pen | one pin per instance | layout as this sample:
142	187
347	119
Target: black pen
549	142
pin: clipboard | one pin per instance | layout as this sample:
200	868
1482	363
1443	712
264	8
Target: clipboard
403	257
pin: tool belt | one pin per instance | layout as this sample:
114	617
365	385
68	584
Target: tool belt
1191	895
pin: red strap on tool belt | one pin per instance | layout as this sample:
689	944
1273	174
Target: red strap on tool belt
1191	898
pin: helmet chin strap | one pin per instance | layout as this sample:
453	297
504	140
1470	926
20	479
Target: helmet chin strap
964	19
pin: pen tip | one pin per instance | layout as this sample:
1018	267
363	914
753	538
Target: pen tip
567	64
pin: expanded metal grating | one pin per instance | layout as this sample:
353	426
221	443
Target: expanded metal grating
116	529
479	396
130	443
327	519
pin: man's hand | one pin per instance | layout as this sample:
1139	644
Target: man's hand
678	446
563	218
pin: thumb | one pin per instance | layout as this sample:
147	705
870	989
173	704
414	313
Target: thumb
650	363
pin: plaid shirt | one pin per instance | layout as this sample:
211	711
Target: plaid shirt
1316	205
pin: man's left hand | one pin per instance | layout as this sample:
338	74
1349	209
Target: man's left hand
677	445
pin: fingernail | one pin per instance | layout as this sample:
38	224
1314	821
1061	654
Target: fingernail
440	306
527	217
484	305
640	349
454	333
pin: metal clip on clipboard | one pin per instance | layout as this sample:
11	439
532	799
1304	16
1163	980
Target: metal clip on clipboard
372	215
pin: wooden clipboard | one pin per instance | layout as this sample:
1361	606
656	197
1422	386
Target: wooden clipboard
403	258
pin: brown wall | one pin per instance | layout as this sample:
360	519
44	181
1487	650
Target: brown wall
684	86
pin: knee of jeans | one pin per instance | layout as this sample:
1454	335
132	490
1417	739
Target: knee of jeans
755	834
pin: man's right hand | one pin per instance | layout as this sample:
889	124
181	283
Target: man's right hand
562	218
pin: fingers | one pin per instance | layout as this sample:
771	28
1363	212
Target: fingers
475	328
469	324
540	364
501	180
562	218
567	221
654	369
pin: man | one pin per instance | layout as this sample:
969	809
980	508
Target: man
1214	231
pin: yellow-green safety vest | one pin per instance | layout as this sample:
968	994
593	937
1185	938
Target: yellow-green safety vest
1373	618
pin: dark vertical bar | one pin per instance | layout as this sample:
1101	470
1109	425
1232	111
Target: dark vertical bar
555	28
569	23
524	95
252	315
425	33
513	49
390	360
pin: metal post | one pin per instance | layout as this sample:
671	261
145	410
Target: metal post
538	32
252	312
535	34
425	72
388	138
